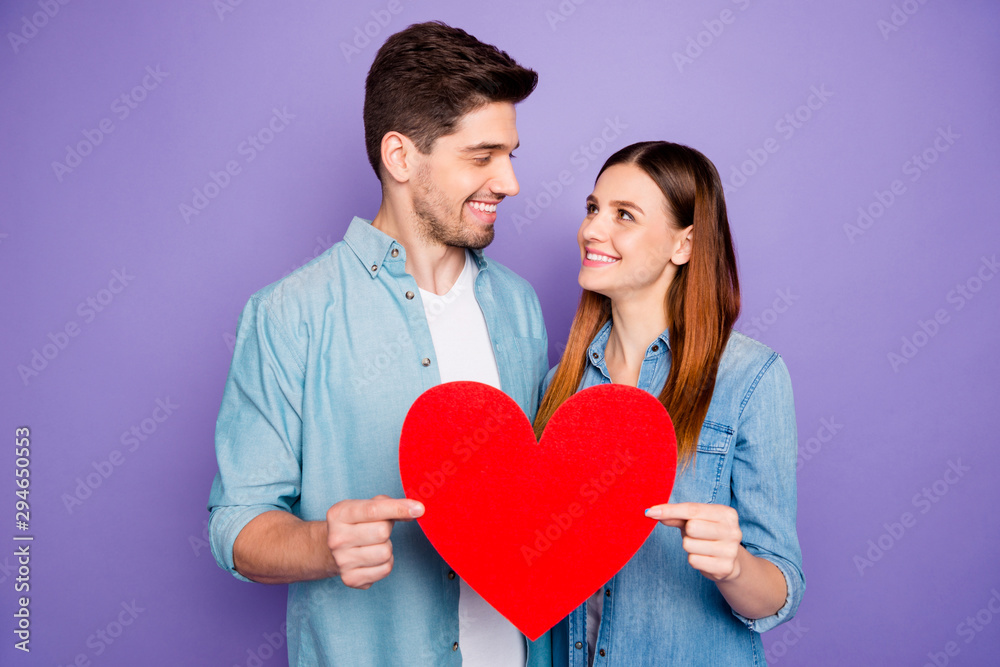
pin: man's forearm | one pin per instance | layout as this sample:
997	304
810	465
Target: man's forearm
279	548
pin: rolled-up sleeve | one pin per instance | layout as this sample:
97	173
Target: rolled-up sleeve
258	435
763	484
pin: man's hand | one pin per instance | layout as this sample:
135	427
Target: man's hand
358	534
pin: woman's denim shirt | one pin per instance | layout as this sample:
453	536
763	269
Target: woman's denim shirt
658	610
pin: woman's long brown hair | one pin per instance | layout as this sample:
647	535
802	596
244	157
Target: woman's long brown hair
701	304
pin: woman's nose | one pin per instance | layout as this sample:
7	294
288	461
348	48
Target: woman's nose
594	228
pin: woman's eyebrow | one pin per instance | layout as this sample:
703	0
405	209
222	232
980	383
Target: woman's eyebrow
621	203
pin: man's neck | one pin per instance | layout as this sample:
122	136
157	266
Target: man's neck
434	266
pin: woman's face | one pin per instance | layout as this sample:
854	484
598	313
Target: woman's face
630	245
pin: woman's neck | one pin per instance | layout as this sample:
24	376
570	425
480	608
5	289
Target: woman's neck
634	325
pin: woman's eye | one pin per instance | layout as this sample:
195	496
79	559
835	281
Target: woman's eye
591	209
625	215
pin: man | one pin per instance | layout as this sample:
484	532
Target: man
329	359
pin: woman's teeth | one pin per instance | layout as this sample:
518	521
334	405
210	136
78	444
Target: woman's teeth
600	258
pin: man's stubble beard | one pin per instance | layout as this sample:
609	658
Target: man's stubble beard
430	212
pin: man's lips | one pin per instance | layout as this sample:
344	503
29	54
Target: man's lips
485	211
483	205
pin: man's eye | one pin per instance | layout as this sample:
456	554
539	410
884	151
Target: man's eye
482	160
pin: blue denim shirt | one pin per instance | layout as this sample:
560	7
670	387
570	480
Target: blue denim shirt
658	610
327	362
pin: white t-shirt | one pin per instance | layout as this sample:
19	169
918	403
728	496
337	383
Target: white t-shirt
464	352
595	609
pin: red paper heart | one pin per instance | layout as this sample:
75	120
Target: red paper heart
536	528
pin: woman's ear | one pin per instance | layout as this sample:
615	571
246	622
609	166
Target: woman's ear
398	154
683	253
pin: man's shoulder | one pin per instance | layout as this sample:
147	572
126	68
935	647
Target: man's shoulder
305	283
511	297
506	279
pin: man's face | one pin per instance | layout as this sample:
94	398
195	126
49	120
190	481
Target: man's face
458	185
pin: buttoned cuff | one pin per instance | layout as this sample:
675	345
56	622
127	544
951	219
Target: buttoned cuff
224	525
794	585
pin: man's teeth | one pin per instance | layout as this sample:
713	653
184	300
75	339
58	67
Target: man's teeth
600	258
480	206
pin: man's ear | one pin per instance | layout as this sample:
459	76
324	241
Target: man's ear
683	253
398	156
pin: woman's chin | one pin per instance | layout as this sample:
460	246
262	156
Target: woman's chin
595	286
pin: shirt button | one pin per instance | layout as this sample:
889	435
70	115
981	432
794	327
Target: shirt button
601	652
656	348
451	575
409	295
454	647
374	268
395	252
579	644
607	592
426	362
595	355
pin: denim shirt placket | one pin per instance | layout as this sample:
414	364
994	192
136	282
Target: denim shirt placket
651	376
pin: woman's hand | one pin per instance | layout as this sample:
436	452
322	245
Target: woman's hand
711	536
753	586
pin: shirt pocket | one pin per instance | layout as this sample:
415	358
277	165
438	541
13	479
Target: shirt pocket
702	479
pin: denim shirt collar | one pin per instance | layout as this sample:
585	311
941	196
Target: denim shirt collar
595	353
374	247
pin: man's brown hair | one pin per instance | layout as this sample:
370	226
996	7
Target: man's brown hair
426	77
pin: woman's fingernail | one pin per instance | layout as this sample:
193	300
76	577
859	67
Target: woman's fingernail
653	513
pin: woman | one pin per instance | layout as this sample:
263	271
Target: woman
660	296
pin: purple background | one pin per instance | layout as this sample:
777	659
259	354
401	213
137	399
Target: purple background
834	302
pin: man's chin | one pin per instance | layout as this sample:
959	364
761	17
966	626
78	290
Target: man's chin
480	241
476	234
473	241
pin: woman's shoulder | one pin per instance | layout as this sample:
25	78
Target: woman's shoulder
741	346
548	378
746	361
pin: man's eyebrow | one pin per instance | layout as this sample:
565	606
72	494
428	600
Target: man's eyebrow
486	146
